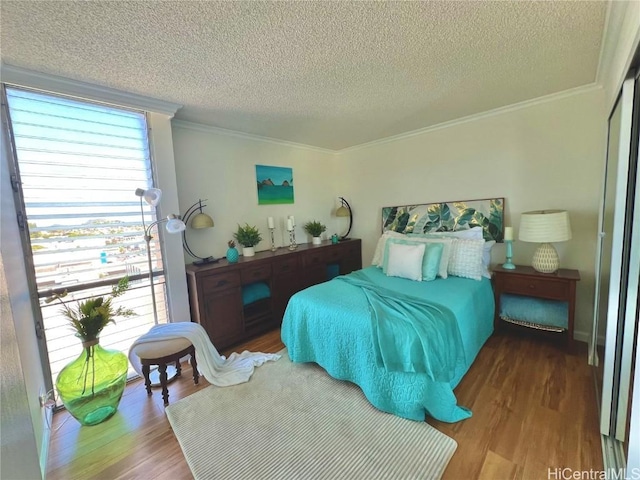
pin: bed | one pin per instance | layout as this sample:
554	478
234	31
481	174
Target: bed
405	343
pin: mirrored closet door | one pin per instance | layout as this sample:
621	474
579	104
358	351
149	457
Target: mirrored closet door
612	349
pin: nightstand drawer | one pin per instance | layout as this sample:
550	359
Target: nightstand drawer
547	288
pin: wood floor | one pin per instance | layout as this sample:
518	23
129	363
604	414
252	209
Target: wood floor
534	408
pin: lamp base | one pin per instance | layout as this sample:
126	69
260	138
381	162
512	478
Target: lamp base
508	265
545	259
205	261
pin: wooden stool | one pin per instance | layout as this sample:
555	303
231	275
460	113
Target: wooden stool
162	353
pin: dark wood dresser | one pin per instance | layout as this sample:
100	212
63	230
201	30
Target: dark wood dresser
216	290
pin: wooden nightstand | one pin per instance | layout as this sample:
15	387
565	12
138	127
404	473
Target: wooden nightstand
526	282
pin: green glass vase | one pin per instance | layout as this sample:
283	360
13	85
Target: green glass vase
91	386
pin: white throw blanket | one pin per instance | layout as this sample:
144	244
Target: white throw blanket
217	369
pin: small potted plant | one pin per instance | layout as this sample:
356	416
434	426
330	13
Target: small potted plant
315	229
248	237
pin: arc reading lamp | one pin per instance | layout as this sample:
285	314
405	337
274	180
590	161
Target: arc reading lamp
344	210
200	220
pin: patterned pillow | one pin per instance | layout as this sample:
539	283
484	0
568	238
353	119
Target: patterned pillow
466	258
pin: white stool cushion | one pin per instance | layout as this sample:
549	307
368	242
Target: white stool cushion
161	348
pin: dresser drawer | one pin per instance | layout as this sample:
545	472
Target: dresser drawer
257	273
285	266
313	258
546	288
222	281
334	254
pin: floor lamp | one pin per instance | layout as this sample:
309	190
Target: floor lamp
174	225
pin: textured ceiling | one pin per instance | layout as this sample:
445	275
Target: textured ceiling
323	73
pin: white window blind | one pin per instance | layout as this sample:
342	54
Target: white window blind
79	166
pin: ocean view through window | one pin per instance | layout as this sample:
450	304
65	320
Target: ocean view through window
77	166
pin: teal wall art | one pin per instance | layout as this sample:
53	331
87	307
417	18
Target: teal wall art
275	184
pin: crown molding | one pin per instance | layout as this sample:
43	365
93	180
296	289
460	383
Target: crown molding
609	38
247	136
54	84
477	116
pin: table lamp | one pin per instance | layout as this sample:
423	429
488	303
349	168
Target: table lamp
344	210
544	227
199	221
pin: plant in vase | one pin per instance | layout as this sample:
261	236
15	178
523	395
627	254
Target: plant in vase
248	237
315	229
232	252
91	386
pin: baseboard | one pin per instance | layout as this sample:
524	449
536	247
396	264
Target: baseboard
613	457
46	437
586	337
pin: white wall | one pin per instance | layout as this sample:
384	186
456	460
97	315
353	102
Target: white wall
546	155
165	171
220	167
23	420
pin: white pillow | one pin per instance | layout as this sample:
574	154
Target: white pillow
405	261
378	255
446	252
469	233
466	258
486	258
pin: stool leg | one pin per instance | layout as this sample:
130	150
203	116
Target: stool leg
194	367
146	370
178	368
163	381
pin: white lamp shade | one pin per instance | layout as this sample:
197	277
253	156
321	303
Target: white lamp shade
151	195
545	226
174	224
201	220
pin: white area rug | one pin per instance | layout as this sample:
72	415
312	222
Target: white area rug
293	421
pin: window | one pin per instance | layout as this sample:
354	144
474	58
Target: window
77	166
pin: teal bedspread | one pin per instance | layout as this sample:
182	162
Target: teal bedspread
333	324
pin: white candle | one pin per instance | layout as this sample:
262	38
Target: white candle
270	222
508	233
289	224
293	221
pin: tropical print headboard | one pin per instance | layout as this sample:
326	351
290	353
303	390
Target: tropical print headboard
448	217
